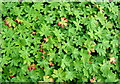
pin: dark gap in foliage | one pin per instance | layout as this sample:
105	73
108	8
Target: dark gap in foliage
2	53
75	3
73	58
87	4
65	40
26	37
45	3
94	53
108	50
12	38
30	4
8	10
71	16
116	28
112	34
32	44
82	25
42	13
38	65
56	66
18	34
100	25
84	29
95	41
31	54
18	67
84	48
63	51
23	15
74	81
33	38
2	71
34	31
77	46
58	54
106	16
25	74
19	5
5	38
57	49
7	64
54	9
42	40
70	54
4	3
81	15
35	62
32	20
3	17
114	71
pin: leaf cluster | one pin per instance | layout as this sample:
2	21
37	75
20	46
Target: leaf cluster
75	53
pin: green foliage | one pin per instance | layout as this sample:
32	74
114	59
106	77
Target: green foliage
35	48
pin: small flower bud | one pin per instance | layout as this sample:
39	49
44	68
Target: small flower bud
9	25
51	80
51	64
63	18
40	45
46	39
43	52
12	76
103	11
49	36
6	23
95	5
89	52
42	57
62	26
90	62
66	24
59	23
94	78
96	22
91	80
66	20
33	67
33	33
42	68
112	60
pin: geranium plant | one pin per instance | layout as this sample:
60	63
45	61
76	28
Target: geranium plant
60	42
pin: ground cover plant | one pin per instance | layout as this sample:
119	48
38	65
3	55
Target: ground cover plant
59	42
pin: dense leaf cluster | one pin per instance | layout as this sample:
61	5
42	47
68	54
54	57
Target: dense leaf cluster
36	49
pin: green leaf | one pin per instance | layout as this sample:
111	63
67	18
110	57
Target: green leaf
70	75
85	56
